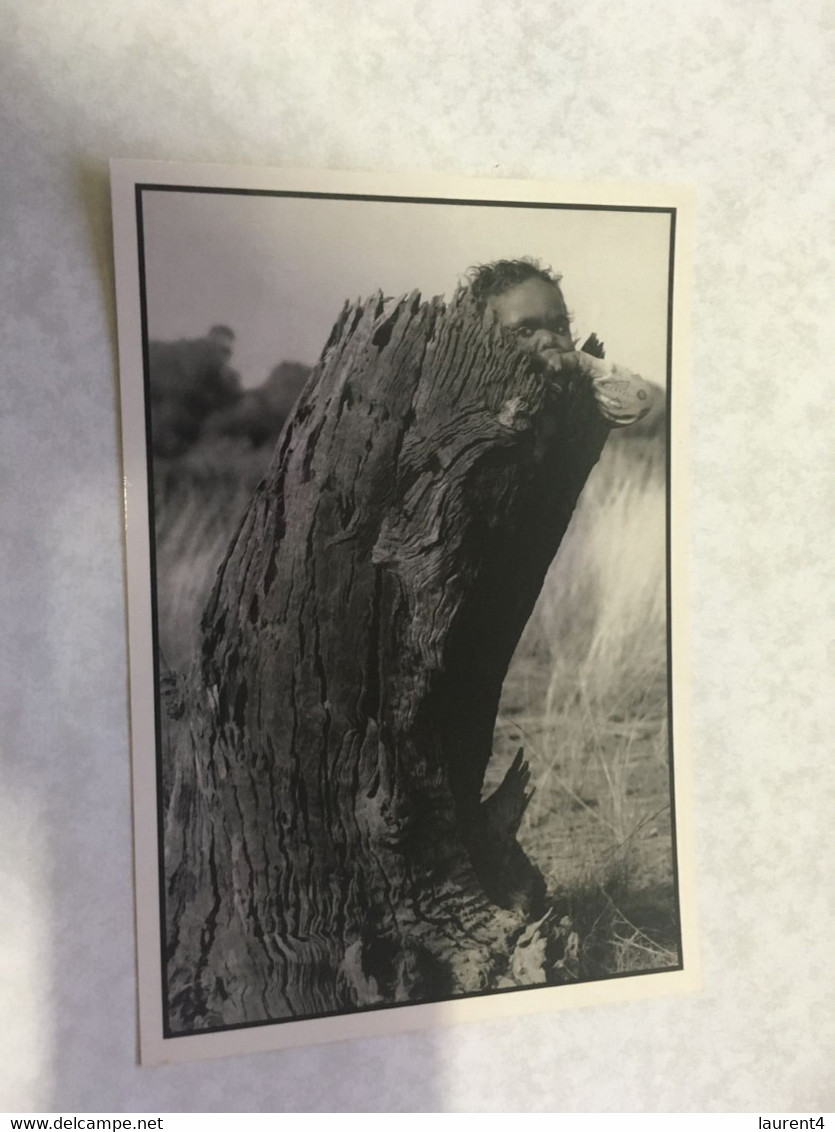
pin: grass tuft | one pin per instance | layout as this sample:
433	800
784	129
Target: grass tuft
586	696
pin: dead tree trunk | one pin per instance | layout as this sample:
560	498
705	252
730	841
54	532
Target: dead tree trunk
326	846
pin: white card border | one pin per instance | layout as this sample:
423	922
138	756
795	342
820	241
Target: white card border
155	1048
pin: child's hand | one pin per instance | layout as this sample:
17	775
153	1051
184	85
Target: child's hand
622	396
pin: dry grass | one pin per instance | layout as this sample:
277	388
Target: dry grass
199	500
586	696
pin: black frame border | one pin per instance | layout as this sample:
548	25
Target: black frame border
139	189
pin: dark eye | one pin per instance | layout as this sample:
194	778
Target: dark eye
524	332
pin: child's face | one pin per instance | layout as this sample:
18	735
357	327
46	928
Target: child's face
535	312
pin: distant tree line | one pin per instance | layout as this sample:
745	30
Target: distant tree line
197	395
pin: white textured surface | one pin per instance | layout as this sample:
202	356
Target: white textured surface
733	98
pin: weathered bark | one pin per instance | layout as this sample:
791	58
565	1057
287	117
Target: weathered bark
326	847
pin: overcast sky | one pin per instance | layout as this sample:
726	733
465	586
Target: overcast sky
277	269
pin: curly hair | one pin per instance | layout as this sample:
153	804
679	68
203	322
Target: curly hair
488	279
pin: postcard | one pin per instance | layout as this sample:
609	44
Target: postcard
405	487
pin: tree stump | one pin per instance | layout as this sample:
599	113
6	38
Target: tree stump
326	844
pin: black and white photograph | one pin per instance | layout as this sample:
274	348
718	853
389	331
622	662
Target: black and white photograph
402	505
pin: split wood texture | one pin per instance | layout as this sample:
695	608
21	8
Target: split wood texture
326	844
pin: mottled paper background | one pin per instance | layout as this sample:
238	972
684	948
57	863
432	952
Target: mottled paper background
734	99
